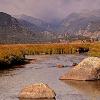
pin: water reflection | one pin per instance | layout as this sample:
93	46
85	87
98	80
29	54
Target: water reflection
12	80
91	88
10	71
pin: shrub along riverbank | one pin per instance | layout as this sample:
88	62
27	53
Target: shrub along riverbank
15	54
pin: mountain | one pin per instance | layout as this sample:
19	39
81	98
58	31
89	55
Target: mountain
13	30
27	29
43	25
84	23
37	22
30	26
10	29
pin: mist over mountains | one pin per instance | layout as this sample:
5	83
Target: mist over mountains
27	29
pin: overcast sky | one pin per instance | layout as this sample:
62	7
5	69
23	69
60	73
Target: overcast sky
47	9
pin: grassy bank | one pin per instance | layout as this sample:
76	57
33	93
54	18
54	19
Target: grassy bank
15	54
94	49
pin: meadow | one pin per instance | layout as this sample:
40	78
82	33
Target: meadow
15	53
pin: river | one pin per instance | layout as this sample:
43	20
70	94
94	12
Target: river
45	70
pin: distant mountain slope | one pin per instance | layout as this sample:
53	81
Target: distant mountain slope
71	24
30	26
26	29
81	23
44	26
74	23
8	22
39	23
13	30
10	29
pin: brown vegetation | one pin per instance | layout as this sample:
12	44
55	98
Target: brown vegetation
13	54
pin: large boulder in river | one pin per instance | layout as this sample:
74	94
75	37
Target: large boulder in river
88	69
37	91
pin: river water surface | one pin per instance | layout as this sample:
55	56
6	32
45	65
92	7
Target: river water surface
44	70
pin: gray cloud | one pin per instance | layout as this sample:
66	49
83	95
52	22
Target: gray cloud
47	9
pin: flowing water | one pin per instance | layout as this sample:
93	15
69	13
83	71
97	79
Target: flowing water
45	70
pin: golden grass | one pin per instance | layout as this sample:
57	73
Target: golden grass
12	54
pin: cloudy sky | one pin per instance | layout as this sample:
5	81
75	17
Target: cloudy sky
47	9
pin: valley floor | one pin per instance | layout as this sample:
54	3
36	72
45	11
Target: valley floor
14	54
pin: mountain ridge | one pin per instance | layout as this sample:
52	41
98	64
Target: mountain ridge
27	29
13	30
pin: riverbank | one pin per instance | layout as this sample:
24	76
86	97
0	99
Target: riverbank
15	54
13	80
